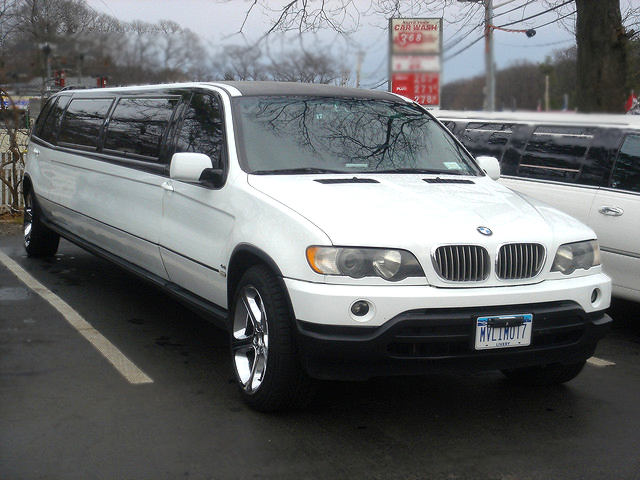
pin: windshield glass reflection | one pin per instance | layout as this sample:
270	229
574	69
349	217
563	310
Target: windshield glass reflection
350	135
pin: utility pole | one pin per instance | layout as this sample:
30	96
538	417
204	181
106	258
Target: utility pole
490	82
546	92
359	67
489	103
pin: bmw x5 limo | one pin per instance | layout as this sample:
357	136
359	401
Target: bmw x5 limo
335	233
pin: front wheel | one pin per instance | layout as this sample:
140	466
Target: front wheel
554	374
263	350
39	240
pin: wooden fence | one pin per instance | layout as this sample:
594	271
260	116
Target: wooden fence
11	172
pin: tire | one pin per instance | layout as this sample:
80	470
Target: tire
39	240
263	348
554	374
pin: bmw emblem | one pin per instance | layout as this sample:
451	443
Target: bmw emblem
485	231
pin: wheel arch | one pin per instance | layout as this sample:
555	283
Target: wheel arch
27	185
243	257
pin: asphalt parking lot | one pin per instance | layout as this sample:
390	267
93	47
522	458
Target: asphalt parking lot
67	413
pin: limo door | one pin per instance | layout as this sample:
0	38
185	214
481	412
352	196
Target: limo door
197	220
615	216
547	165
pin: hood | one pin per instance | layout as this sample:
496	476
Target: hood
405	211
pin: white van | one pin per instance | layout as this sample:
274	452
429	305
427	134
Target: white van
336	233
585	165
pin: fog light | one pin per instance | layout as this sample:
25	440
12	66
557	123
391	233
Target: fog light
595	295
360	308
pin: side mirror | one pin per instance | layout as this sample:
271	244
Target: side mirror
490	165
195	168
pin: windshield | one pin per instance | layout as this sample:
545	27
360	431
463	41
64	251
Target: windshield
286	135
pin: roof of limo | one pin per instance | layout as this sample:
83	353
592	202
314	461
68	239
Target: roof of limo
562	118
249	89
311	89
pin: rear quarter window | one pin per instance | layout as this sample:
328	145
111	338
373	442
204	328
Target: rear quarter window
49	130
37	128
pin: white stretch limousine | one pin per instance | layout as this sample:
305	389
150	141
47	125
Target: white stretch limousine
335	233
585	165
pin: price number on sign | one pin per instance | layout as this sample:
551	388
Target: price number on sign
403	39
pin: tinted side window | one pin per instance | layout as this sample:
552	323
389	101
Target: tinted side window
202	129
52	122
556	153
37	128
82	121
450	124
487	138
137	126
626	172
598	163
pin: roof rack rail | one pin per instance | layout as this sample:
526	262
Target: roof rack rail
72	87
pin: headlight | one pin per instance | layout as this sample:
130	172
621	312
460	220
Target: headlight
572	256
392	265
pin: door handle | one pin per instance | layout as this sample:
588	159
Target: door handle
611	211
167	186
36	151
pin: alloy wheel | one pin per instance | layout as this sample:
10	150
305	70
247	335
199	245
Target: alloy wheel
250	340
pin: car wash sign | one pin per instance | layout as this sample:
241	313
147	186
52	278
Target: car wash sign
415	59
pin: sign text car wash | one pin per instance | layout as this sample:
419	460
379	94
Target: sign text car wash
415	58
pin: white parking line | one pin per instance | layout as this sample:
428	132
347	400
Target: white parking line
599	362
121	363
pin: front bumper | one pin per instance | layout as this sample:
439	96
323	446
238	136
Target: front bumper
329	304
435	340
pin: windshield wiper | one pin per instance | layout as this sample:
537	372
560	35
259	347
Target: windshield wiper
294	171
416	170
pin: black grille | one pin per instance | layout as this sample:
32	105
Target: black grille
519	260
434	337
462	263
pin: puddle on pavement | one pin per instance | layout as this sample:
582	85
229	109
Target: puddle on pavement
13	293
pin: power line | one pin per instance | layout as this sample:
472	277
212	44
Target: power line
458	52
455	54
556	20
534	46
456	41
537	14
375	86
513	9
466	19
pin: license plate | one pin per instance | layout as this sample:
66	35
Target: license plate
503	331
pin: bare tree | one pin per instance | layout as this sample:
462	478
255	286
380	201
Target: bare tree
305	66
238	62
12	159
600	33
602	56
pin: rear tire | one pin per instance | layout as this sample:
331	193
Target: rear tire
263	348
554	374
39	240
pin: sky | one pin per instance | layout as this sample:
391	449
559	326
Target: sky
218	21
